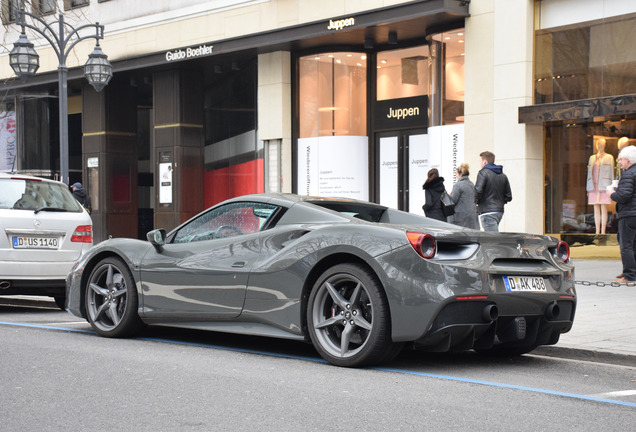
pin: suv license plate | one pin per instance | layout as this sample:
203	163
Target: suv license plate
522	283
26	242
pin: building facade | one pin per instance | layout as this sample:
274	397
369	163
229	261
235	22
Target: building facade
584	83
214	99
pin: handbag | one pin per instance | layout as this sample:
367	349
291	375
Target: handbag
448	206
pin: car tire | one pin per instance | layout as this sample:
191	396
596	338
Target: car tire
348	318
111	299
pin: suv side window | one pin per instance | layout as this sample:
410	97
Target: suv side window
226	221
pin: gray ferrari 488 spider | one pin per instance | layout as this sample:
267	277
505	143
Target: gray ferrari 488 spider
358	280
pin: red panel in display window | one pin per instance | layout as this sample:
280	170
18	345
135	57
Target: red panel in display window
240	179
121	187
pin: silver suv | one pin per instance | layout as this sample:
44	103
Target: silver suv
43	231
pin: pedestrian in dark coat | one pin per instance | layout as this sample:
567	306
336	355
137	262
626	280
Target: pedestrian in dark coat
625	196
434	188
463	196
81	196
492	192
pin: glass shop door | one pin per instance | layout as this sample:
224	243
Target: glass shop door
401	167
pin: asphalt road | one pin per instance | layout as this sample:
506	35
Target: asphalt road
57	375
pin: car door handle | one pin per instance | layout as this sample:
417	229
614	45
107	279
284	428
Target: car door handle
238	264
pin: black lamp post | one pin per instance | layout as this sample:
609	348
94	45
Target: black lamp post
25	62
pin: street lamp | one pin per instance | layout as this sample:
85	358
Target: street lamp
23	58
25	62
97	68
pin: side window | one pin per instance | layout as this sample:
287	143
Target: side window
42	7
10	8
70	4
226	221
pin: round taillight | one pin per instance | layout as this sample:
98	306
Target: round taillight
563	251
424	244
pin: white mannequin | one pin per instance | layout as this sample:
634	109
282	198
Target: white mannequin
598	197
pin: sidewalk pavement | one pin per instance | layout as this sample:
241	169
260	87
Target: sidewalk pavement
604	326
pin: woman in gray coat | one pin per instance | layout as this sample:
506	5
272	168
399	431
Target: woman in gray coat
463	196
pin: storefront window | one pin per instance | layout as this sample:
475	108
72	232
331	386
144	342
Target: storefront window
585	60
8	142
333	145
333	94
575	193
234	163
447	80
41	134
581	56
403	73
418	117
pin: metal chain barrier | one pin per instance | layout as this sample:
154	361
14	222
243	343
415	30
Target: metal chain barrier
604	284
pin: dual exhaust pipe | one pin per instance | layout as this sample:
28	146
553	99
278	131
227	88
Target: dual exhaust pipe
552	311
491	312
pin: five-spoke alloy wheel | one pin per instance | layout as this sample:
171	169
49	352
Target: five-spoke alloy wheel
111	299
348	317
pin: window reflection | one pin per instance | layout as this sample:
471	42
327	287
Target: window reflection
585	60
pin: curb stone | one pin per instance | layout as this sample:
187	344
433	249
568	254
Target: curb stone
585	355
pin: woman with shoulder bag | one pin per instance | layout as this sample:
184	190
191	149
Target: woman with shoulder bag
463	196
434	188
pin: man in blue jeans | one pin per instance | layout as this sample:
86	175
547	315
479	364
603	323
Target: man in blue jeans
625	197
492	191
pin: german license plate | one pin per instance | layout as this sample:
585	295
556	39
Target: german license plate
28	242
522	283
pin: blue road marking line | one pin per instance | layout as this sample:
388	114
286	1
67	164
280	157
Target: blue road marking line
508	386
381	369
47	327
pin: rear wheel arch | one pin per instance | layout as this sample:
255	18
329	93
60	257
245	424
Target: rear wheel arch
348	317
319	268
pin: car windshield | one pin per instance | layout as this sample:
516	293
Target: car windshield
25	194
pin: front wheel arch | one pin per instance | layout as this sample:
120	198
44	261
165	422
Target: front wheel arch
88	269
111	299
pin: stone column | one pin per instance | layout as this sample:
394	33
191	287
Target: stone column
177	146
274	117
109	153
499	74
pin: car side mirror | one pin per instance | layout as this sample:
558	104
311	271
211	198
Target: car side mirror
157	238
